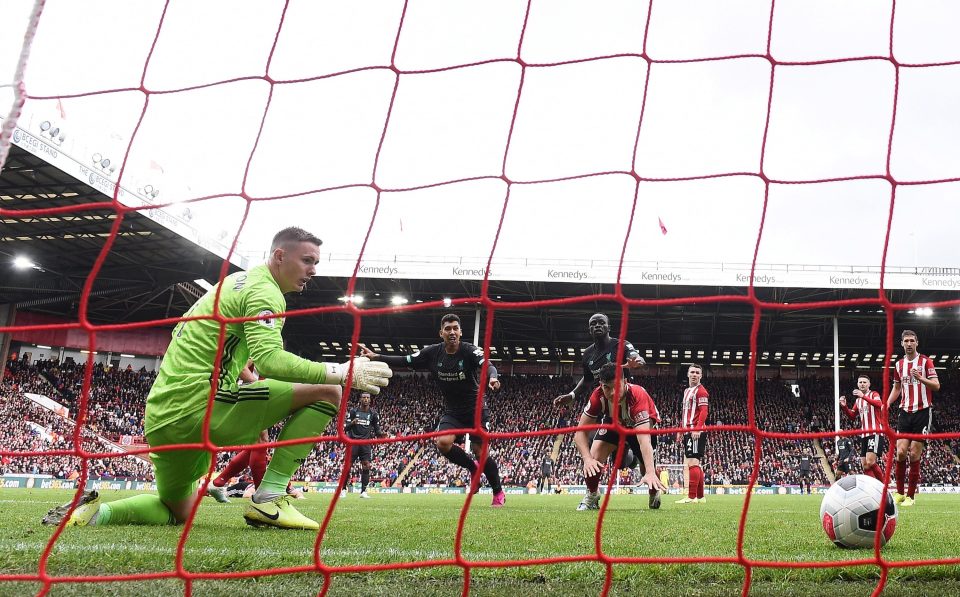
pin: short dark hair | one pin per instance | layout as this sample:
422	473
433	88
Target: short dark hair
864	375
608	372
449	317
906	333
697	365
291	235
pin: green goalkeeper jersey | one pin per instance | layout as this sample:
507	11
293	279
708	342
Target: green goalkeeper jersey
183	384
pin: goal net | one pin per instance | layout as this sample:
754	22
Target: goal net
741	145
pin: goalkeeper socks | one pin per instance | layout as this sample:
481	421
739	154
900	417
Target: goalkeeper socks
694	485
364	479
309	421
901	475
492	471
138	509
457	456
914	478
234	468
258	465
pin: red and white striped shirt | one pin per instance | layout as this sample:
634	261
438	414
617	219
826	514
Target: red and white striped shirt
636	407
914	395
695	405
869	409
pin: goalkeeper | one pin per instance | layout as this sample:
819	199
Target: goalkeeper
308	392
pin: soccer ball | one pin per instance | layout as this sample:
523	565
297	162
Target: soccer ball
849	512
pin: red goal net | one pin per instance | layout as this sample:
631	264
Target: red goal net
782	130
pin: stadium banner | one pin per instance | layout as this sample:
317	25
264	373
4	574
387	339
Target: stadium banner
915	276
48	482
49	404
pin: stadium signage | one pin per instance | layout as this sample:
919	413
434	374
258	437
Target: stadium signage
378	269
33	144
567	274
846	281
951	282
467	271
661	277
758	279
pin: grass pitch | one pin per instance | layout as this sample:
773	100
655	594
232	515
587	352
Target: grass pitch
422	528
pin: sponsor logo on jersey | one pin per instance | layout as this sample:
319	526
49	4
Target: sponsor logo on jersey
270	323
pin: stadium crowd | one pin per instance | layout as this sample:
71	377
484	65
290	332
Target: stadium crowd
30	427
411	406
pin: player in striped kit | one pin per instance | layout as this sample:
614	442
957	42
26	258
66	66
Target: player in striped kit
695	408
867	406
914	382
636	411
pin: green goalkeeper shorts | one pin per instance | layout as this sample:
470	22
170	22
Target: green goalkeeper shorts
237	419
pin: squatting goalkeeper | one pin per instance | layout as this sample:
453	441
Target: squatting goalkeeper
306	391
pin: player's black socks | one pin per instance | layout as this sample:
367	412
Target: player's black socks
457	456
364	479
492	471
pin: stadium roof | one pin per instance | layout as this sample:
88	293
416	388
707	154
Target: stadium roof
150	272
423	148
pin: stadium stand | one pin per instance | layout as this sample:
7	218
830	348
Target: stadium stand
411	405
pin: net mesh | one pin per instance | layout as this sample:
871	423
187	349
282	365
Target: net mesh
489	305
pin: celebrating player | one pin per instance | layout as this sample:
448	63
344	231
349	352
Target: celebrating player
177	402
636	411
914	382
456	367
867	405
602	351
694	417
363	423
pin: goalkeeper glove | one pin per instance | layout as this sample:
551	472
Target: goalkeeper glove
368	376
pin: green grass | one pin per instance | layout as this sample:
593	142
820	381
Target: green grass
405	528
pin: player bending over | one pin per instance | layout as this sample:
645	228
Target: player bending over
636	411
308	392
914	382
456	367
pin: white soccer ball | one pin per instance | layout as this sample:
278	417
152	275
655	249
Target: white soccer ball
849	512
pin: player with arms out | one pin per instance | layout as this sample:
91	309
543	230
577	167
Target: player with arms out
636	411
456	367
363	423
868	406
307	392
695	401
914	382
602	351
